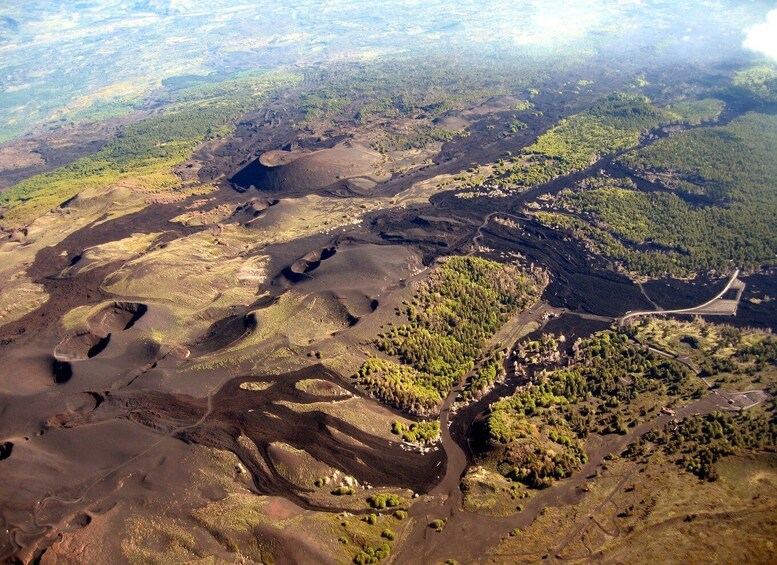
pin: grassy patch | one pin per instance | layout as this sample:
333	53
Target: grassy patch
657	515
119	250
417	138
490	494
298	466
19	297
158	542
359	412
255	386
321	388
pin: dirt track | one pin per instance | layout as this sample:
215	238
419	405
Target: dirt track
467	536
76	442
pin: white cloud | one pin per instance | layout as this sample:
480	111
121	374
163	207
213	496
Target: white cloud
763	37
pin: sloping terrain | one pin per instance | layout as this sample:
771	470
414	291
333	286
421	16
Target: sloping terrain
298	318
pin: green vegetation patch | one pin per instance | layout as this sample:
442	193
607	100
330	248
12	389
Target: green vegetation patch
417	138
698	443
490	494
726	356
461	305
695	112
730	168
171	540
368	539
418	432
343	490
758	83
438	524
401	385
485	375
385	500
406	88
611	125
602	242
659	514
725	163
147	150
536	434
255	386
615	381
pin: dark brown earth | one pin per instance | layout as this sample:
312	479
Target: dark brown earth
83	416
289	173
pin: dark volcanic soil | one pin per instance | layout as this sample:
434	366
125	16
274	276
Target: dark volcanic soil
139	420
757	308
579	281
84	416
255	415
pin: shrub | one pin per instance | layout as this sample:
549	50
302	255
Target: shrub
437	524
382	501
342	490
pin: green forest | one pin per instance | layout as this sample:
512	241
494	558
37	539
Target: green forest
486	373
536	435
696	112
462	303
421	90
697	443
417	88
758	83
731	169
611	125
613	382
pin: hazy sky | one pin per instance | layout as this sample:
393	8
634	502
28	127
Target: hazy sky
58	57
763	37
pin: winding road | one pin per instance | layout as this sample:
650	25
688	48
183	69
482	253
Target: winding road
486	220
727	309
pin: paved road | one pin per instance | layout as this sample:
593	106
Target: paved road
696	309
